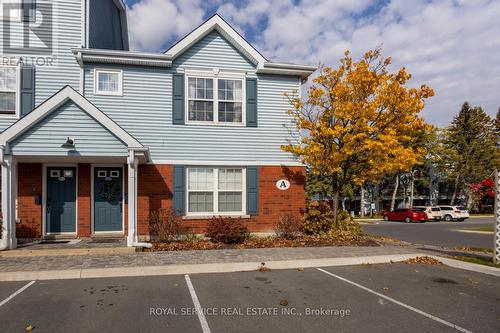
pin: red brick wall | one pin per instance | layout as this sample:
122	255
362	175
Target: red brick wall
84	201
155	184
30	214
154	192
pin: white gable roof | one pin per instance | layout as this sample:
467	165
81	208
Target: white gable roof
217	23
57	100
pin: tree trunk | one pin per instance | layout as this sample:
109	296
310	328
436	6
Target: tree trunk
335	207
470	200
412	188
362	202
455	191
394	193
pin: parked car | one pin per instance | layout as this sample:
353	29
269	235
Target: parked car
407	215
454	213
433	213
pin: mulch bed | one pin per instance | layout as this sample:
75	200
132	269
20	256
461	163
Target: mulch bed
261	242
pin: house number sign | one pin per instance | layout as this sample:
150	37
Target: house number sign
283	184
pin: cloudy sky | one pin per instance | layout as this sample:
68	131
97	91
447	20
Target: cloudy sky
452	45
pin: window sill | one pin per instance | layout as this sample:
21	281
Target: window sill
205	217
210	123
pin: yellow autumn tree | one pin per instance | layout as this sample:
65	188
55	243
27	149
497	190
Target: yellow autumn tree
358	122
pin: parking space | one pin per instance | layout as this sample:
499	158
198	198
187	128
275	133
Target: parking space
375	298
106	305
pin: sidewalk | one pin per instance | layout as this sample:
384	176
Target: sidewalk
208	261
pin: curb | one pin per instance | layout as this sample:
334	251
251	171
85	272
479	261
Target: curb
468	266
65	252
87	273
475	232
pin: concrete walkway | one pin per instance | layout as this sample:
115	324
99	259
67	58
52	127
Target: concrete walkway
207	261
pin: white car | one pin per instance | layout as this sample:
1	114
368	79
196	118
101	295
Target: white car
433	213
454	213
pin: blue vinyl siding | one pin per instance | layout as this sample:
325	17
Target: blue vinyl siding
46	137
145	110
213	51
65	71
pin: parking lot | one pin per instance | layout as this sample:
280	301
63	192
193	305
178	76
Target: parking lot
444	234
375	298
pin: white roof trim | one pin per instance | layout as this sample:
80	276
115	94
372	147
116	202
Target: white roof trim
217	23
122	57
60	98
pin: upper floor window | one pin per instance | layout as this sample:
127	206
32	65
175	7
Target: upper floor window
9	90
215	98
10	10
108	82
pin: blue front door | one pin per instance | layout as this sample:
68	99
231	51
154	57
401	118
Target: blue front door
108	196
61	199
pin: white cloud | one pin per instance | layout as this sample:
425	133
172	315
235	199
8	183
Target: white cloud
452	45
154	22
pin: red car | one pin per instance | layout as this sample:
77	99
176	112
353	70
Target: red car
407	215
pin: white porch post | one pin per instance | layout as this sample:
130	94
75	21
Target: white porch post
9	195
133	163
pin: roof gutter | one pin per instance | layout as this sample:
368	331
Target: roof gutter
123	57
304	71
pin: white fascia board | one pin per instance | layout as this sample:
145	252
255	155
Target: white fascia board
276	71
54	102
283	65
123	57
216	23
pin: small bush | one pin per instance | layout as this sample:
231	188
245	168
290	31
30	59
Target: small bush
167	226
346	228
227	230
288	226
318	219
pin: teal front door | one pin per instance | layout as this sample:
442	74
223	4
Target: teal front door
61	199
108	196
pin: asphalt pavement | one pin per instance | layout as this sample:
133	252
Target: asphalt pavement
374	298
443	234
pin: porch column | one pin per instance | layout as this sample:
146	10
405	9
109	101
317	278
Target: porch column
9	196
133	163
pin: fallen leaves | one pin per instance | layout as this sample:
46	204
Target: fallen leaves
263	268
425	260
29	328
284	302
260	242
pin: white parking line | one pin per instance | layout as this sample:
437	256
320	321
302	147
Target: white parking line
16	293
197	306
425	314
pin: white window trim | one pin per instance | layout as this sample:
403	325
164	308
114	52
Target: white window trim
19	12
17	112
215	192
98	71
215	74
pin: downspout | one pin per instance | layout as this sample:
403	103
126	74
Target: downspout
133	163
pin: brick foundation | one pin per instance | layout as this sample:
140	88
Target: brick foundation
154	192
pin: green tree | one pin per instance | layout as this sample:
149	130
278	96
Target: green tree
472	141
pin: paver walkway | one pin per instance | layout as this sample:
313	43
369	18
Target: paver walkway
191	257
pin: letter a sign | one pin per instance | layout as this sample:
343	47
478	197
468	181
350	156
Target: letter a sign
283	184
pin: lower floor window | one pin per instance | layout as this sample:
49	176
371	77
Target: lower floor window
215	190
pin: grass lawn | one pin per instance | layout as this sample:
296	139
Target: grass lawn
477	260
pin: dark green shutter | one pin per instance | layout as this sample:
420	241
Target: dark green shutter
178	99
251	92
179	193
27	90
28	10
253	190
